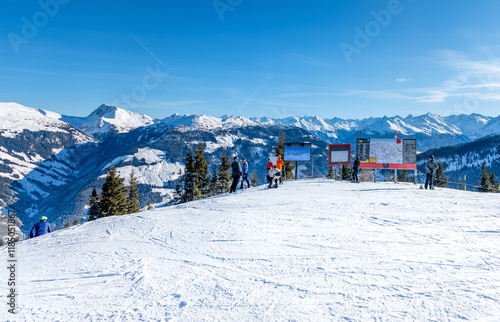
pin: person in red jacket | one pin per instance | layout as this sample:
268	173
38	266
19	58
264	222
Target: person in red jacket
270	165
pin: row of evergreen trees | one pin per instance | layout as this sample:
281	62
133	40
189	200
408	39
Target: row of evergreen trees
198	182
487	181
116	198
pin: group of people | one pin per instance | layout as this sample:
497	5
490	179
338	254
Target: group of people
239	170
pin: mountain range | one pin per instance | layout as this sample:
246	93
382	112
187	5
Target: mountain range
50	162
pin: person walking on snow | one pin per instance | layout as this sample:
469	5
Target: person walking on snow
244	173
270	165
236	173
430	167
355	169
41	228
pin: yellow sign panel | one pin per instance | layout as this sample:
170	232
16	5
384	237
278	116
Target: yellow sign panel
373	160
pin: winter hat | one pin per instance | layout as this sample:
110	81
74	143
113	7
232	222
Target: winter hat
236	158
431	157
43	218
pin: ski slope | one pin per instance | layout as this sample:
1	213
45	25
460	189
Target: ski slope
315	250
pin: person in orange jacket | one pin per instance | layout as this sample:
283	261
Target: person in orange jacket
279	166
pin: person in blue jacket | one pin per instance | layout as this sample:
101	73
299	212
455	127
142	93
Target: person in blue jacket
43	227
244	173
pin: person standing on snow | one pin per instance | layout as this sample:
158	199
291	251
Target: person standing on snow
270	165
236	173
355	169
279	165
430	167
244	173
41	228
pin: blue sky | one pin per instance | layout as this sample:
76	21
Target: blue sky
349	59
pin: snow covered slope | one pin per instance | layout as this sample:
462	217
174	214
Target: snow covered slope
309	251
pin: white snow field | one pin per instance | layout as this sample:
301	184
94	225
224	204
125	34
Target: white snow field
312	250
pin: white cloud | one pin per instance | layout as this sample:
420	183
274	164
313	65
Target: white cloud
403	80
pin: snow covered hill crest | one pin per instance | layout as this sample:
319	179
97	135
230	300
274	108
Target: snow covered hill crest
311	250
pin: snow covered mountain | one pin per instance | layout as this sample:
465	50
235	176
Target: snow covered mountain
49	166
312	250
107	120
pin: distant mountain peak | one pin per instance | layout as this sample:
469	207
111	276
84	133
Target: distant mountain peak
104	110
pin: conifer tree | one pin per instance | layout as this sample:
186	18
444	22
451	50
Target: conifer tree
224	174
214	182
75	222
201	175
280	150
484	181
189	178
254	181
66	225
404	176
493	182
94	210
149	207
133	204
440	180
331	172
346	172
2	243
114	195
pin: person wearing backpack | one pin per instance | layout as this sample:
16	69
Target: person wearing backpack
236	173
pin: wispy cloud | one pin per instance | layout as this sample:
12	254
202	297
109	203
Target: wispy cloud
478	79
304	94
403	80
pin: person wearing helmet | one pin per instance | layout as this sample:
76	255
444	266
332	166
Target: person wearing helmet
40	228
430	168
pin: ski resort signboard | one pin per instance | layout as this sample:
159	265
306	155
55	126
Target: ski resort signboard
339	154
297	152
387	153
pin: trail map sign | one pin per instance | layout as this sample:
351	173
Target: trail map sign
339	154
297	152
387	153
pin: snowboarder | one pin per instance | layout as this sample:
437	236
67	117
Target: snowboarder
244	173
41	228
355	169
430	168
236	173
274	175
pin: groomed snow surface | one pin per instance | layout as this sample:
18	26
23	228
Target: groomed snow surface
315	250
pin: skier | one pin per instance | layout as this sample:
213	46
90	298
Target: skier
40	228
355	169
279	165
236	173
430	168
274	175
244	173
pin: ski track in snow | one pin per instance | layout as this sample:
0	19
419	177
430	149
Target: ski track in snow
314	250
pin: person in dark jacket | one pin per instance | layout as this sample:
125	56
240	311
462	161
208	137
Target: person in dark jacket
236	173
41	228
355	169
244	173
430	168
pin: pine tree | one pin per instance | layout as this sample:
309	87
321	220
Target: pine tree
94	210
404	176
188	178
484	181
224	174
133	204
254	181
331	172
346	172
280	150
149	207
2	243
440	180
493	182
75	222
114	195
214	182
66	225
201	175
